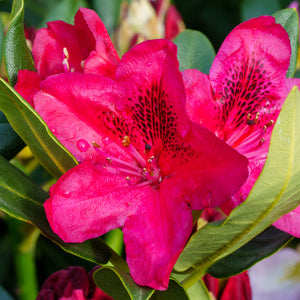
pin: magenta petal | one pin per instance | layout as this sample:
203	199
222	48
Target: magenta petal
208	171
156	234
88	201
200	104
48	48
290	222
149	73
249	71
102	58
28	85
69	104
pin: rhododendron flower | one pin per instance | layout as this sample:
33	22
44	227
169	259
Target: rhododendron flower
72	283
145	165
83	47
242	96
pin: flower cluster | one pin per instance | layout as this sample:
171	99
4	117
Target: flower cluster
153	143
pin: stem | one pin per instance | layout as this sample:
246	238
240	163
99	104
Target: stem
118	262
24	241
193	278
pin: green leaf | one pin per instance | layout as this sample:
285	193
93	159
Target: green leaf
35	132
17	55
198	291
262	246
120	285
289	19
10	142
22	199
63	10
1	39
194	51
175	291
276	192
255	8
109	12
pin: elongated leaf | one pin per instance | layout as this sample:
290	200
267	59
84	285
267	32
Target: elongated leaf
194	51
263	245
1	39
22	199
34	131
120	285
276	192
10	142
16	52
289	19
175	291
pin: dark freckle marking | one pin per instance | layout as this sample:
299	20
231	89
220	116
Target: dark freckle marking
148	147
250	122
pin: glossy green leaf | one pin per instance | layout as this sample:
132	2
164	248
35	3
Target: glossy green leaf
120	285
194	51
22	199
262	246
175	291
289	19
255	8
276	192
34	131
10	142
109	12
17	55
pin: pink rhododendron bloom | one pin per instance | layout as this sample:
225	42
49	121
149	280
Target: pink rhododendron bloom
83	47
73	283
145	165
242	96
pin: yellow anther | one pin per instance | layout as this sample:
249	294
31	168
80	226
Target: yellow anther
95	145
66	53
108	159
256	117
270	123
126	141
127	178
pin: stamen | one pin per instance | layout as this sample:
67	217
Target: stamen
66	53
66	60
66	65
270	123
126	141
256	118
82	63
137	155
112	159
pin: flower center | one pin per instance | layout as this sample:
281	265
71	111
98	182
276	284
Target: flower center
142	172
250	137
